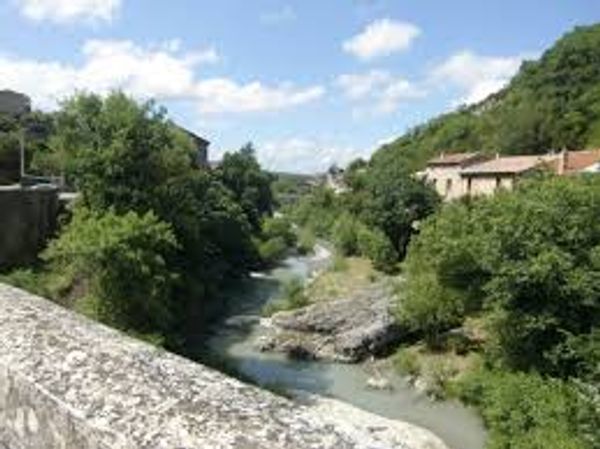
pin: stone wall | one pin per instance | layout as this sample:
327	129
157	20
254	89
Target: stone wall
27	219
70	383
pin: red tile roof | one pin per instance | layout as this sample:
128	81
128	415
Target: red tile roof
578	160
454	158
510	165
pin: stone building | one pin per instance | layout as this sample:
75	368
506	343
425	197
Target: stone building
14	103
472	174
503	172
201	145
444	172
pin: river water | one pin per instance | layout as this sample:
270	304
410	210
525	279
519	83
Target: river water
231	340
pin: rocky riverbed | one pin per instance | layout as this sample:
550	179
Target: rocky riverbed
347	330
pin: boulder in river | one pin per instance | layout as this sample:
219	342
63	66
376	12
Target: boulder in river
347	330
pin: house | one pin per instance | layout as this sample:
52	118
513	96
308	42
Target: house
571	162
201	147
503	172
334	179
444	172
14	103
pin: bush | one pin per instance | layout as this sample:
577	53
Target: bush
279	227
292	297
306	241
345	235
374	244
526	411
272	250
532	257
407	362
126	260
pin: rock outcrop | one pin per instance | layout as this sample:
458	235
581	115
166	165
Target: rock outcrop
346	330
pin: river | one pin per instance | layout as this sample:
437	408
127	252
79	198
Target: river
231	340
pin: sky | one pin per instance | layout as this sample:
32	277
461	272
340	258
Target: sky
309	82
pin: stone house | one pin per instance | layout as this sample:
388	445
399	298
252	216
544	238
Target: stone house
201	146
444	173
14	103
503	172
471	174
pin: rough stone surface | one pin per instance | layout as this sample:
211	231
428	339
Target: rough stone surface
346	330
69	383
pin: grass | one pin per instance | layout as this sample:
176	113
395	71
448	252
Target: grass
293	296
439	371
346	276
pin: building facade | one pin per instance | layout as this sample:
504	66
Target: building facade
473	174
444	173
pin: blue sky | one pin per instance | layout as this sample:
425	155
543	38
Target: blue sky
310	82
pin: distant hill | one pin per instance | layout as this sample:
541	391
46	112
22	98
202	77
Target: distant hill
552	103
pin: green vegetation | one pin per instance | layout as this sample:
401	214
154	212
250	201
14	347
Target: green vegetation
292	297
125	259
375	218
551	103
528	262
528	411
152	238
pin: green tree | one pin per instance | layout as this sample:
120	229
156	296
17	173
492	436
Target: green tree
241	173
529	258
117	152
125	260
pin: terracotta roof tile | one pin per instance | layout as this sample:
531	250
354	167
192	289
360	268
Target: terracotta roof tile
578	160
454	158
511	165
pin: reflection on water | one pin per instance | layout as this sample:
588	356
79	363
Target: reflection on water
232	339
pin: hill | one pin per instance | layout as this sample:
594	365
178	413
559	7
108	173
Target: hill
551	103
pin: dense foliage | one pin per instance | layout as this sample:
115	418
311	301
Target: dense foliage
375	217
152	237
525	262
551	103
125	259
528	411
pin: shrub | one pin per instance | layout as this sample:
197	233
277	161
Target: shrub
272	250
345	235
531	257
126	259
292	297
374	244
407	362
279	227
526	411
306	241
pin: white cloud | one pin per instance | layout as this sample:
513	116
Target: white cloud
378	91
381	38
161	72
478	76
285	14
222	95
65	11
300	155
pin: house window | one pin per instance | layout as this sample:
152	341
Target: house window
448	186
498	182
469	185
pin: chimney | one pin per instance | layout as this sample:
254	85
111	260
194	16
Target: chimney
497	155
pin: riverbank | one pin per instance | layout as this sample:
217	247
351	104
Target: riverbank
233	340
